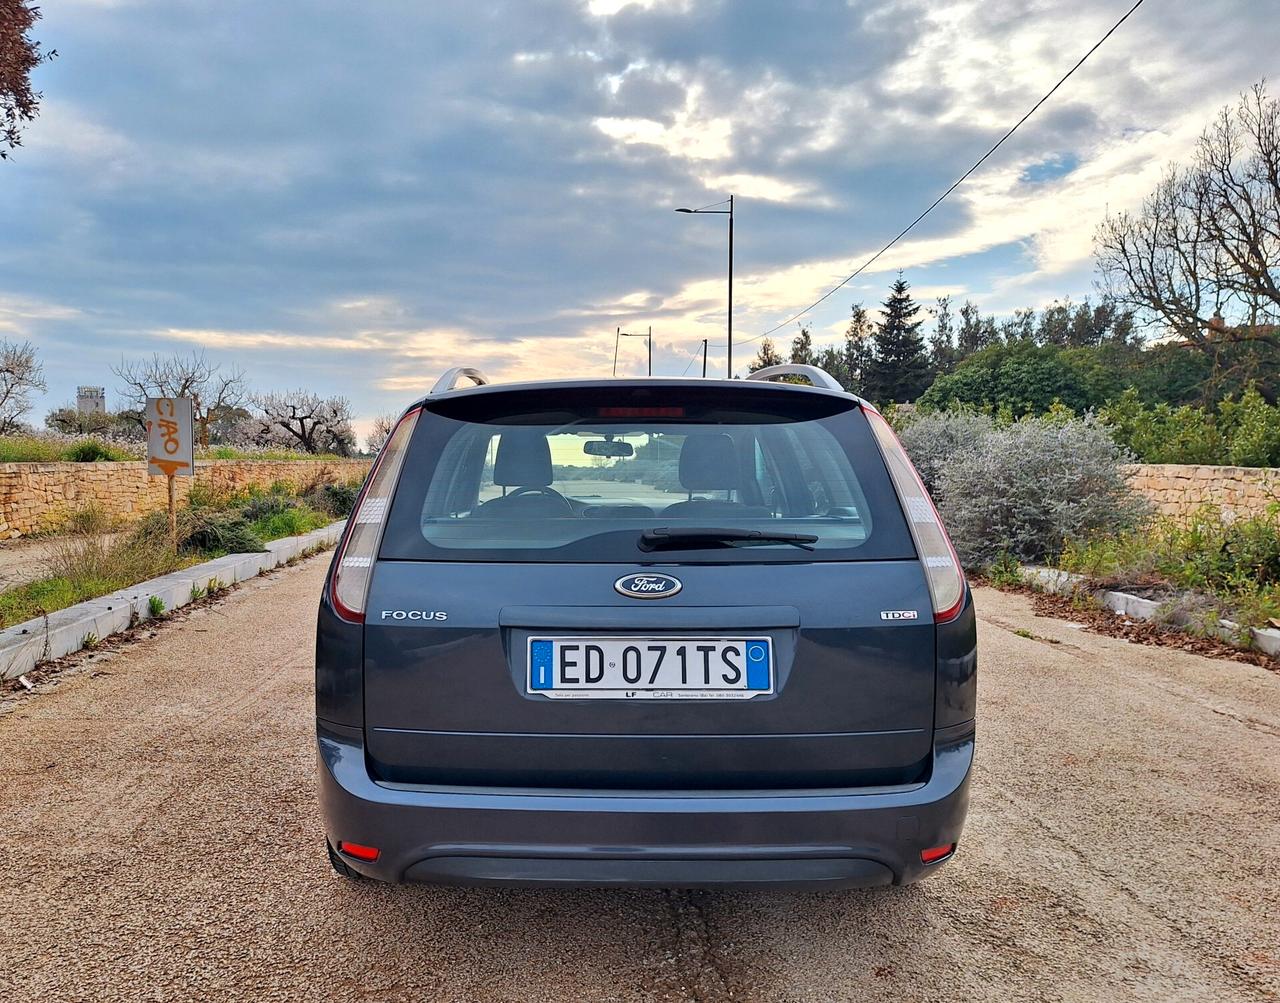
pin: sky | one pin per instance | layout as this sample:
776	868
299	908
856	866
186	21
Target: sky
351	198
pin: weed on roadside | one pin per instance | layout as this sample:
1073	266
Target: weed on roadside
1006	572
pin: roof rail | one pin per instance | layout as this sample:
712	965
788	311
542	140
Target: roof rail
817	377
449	381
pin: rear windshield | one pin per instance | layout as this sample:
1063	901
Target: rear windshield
583	474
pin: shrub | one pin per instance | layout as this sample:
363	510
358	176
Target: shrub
92	451
201	531
1254	429
1025	378
336	500
212	531
1245	433
1163	434
263	506
935	439
1028	488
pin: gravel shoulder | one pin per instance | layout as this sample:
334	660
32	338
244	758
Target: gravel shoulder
161	841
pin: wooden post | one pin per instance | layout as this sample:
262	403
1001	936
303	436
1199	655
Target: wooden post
173	511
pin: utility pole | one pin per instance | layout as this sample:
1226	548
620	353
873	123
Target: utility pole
704	358
620	333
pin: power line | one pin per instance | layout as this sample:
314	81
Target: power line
958	182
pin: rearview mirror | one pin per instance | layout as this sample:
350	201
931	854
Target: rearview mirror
607	447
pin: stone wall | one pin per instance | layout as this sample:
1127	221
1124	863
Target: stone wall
1177	489
36	496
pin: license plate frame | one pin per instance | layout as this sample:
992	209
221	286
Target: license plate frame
705	674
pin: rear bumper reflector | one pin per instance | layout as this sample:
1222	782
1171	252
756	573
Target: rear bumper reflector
360	852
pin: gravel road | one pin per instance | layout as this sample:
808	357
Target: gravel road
159	840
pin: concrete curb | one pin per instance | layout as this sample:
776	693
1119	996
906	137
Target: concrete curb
1136	608
25	645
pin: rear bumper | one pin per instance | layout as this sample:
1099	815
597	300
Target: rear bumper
819	839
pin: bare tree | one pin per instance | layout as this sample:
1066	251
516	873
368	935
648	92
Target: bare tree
214	393
19	55
317	424
379	432
20	375
1202	254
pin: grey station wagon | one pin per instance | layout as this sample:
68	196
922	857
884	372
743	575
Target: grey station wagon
645	632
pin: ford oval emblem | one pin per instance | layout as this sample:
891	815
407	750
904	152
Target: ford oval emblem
647	586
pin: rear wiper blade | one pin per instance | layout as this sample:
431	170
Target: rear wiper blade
667	537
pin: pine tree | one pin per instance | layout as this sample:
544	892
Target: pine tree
767	356
899	371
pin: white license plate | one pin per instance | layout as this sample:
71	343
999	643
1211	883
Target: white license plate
666	668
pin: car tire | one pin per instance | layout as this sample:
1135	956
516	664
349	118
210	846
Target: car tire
341	867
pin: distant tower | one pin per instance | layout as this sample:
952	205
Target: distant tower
91	400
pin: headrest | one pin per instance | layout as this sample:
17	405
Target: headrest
707	462
523	460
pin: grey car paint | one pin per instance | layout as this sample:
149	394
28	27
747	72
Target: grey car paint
858	761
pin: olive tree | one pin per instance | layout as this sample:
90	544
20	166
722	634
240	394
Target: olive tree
313	423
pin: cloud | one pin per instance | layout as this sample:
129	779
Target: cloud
356	202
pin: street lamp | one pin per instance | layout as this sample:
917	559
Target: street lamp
711	210
620	333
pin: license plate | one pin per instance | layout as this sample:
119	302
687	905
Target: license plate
637	668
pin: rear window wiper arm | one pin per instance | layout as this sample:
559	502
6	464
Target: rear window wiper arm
667	537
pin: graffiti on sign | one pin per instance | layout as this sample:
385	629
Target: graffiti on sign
170	440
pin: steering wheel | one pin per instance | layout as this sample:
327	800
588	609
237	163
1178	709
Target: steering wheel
541	489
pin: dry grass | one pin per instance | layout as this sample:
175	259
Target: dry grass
87	561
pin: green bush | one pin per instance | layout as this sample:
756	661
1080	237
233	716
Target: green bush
1243	433
92	451
336	500
1253	427
1025	379
263	506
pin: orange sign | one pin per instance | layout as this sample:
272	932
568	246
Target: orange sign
170	437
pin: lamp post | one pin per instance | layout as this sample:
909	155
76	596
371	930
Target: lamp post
620	333
711	210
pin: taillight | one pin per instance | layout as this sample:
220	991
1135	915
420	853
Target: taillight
935	853
941	566
354	565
